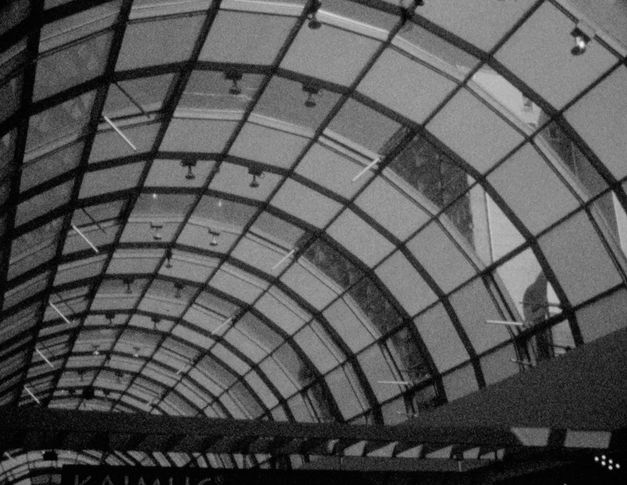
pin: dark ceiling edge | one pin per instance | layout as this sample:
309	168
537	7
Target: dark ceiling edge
580	389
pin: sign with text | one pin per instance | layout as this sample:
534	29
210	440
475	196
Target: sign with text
95	475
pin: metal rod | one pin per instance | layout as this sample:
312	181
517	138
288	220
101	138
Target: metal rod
522	362
287	256
30	393
54	307
131	99
94	221
119	132
366	168
80	233
504	322
44	357
225	322
404	383
9	456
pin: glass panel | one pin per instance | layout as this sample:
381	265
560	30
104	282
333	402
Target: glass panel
444	261
599	118
259	143
158	42
403	348
475	305
337	56
405	283
548	31
435	50
108	144
10	94
316	349
364	126
197	135
347	322
500	364
12	13
148	92
241	45
38	169
25	290
504	96
360	238
333	264
7	151
376	306
241	394
43	203
383	382
213	90
60	121
121	177
574	249
414	90
474	131
34	248
305	203
298	103
71	66
345	394
441	338
532	189
433	174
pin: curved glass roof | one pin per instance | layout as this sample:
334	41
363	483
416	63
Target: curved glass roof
215	208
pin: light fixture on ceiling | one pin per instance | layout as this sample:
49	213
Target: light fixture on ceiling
96	350
168	258
311	91
582	35
155	322
255	172
155	228
118	376
314	23
128	282
234	77
107	360
110	316
178	289
214	237
189	164
136	352
50	455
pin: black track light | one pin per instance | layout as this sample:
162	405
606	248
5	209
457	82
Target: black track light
155	228
128	282
190	164
256	173
110	316
234	77
168	258
155	322
581	42
311	91
214	237
314	23
178	290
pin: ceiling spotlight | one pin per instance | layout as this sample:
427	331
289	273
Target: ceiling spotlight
234	77
155	228
155	322
168	258
178	287
128	282
255	172
214	237
50	455
136	352
107	360
314	23
111	315
96	350
311	91
190	164
118	376
581	42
